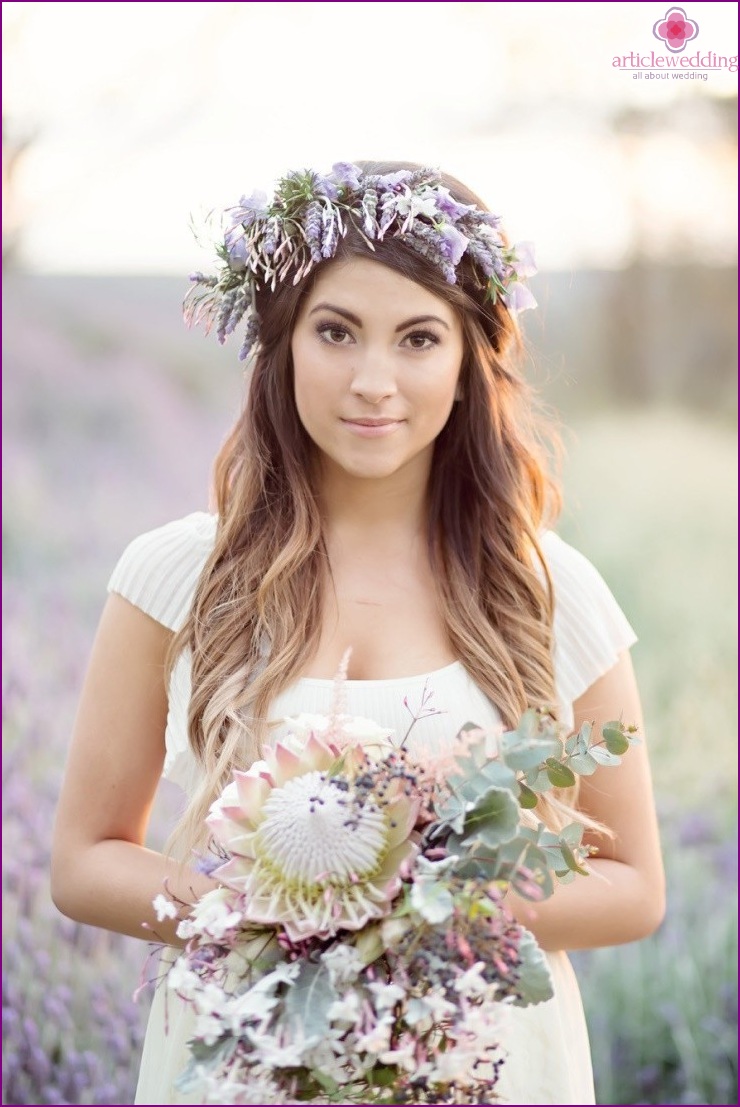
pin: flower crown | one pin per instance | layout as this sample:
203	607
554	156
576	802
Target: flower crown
267	241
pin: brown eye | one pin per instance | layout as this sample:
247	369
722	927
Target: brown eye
421	340
333	334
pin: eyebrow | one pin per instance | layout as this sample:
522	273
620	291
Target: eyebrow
352	318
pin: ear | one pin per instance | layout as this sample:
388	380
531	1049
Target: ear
458	391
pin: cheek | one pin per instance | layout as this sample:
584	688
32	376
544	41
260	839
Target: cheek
312	386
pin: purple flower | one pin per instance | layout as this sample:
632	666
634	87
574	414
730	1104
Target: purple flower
329	232
522	259
251	338
518	297
325	186
452	243
236	248
369	209
346	175
450	207
313	228
249	208
481	256
391	181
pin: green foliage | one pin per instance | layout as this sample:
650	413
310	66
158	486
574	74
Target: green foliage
308	1000
535	985
481	819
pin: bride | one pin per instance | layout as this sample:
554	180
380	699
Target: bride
384	489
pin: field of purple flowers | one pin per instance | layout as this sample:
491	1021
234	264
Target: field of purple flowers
112	416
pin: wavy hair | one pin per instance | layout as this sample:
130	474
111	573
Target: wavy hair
256	617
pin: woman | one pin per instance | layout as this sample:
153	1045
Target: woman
383	490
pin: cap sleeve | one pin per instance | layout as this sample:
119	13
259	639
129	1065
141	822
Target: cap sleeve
158	571
590	628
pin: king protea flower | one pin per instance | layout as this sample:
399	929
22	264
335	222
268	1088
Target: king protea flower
314	850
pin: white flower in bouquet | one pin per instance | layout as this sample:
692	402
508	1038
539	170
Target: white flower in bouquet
312	848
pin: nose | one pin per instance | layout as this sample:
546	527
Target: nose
373	379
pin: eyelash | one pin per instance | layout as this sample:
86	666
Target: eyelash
326	328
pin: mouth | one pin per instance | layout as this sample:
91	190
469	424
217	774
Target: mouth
364	422
372	427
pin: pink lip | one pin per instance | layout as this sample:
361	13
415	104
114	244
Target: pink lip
372	428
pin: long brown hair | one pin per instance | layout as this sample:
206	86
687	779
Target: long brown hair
256	616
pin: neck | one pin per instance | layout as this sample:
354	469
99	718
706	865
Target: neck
374	509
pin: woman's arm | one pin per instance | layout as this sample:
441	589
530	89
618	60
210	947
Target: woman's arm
624	897
101	872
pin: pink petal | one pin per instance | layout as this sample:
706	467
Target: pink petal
253	791
287	764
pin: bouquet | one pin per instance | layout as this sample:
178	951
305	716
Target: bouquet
359	949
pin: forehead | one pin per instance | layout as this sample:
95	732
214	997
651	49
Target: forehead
364	286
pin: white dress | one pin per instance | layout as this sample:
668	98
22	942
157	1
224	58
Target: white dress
547	1050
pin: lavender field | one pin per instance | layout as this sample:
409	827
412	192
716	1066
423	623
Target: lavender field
112	416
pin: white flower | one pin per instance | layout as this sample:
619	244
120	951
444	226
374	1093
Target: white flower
297	859
413	206
283	973
377	1039
471	983
386	996
343	962
209	998
181	980
208	1028
164	907
275	1054
213	916
418	1014
252	1006
403	1055
345	1010
440	1007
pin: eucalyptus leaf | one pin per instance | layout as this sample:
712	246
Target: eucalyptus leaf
452	812
571	744
309	998
538	780
535	984
583	764
526	752
474	868
203	1056
494	818
432	900
559	775
585	734
572	834
495	772
616	741
604	757
527	798
571	861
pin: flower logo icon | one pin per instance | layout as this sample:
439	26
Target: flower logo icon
675	29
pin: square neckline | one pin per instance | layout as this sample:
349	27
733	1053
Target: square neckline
434	674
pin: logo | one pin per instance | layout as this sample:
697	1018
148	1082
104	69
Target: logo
675	29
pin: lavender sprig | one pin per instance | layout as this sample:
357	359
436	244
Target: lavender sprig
269	241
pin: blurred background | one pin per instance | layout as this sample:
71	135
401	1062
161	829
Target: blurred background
121	122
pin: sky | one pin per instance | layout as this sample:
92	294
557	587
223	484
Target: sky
140	117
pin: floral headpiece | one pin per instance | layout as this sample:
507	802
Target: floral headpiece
267	241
